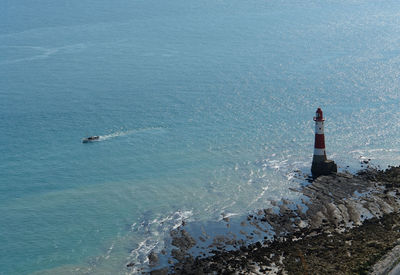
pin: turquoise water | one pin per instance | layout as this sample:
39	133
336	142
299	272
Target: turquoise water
202	107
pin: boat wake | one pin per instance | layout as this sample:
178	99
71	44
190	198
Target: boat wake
114	135
128	132
31	53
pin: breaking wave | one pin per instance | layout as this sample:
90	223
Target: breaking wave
155	232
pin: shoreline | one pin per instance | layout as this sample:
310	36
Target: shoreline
346	223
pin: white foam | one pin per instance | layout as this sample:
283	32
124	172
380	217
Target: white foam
227	215
264	189
109	251
155	233
128	132
114	135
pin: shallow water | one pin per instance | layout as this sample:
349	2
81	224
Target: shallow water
202	108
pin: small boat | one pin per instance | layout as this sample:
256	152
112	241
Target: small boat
90	139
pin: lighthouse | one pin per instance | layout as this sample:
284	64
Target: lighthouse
320	164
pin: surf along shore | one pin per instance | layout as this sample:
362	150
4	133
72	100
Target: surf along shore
345	224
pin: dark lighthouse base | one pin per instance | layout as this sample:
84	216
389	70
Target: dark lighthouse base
325	167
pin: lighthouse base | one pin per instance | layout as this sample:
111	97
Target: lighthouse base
325	167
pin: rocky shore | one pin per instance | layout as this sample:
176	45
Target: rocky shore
345	224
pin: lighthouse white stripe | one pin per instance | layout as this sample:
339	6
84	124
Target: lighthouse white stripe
319	152
319	127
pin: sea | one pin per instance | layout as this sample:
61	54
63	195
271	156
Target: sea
203	107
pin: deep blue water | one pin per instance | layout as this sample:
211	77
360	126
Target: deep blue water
202	107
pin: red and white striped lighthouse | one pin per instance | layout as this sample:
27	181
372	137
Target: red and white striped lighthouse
319	144
320	164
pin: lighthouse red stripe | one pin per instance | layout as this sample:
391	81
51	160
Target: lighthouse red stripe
319	141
